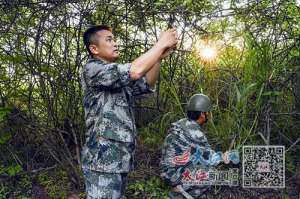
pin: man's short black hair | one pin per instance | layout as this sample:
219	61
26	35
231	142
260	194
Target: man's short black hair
194	115
88	35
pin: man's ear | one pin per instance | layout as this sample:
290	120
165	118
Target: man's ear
94	49
202	114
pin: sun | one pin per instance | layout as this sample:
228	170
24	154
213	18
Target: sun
207	51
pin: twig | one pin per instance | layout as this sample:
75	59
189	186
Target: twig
43	169
293	144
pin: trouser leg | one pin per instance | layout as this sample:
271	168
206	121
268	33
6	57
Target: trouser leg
104	185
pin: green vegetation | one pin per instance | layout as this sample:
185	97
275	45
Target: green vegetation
254	83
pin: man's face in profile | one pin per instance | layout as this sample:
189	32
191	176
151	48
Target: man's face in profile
104	46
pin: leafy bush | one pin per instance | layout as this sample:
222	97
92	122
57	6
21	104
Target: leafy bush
152	188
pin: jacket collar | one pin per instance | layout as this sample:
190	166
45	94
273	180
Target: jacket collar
97	60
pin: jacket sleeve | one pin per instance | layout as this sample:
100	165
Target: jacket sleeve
209	157
141	87
203	154
107	76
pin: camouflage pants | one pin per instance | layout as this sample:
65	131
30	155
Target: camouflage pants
104	185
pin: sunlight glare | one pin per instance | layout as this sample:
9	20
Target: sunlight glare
208	53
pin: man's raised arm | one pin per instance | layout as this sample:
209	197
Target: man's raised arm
145	62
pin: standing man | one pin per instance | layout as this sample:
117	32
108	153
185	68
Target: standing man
109	88
186	148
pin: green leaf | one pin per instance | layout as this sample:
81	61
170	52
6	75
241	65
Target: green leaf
272	93
14	170
4	112
238	93
4	137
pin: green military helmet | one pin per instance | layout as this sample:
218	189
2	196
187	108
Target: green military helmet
199	102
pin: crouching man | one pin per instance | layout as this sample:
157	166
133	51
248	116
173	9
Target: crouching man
186	148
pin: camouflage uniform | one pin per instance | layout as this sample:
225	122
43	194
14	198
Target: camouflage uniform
104	185
184	141
111	131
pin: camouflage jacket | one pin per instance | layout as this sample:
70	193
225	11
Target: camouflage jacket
185	146
108	105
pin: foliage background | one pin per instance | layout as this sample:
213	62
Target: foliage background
254	84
